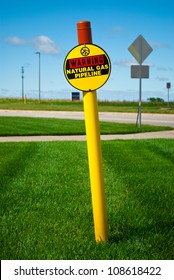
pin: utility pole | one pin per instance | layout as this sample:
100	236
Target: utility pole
39	75
22	72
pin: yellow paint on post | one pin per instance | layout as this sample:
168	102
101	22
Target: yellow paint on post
95	165
25	99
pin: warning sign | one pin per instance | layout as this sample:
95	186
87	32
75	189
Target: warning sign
87	67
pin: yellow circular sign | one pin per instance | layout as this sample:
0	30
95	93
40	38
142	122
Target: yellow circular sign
87	67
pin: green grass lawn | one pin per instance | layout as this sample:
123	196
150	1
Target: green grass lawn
46	202
12	126
103	106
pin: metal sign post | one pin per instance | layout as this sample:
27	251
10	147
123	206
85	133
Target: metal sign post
140	49
140	85
140	96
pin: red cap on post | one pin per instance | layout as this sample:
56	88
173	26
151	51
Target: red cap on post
84	32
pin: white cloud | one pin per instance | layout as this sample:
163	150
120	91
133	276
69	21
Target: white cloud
41	43
165	69
118	29
15	40
125	63
162	79
45	45
160	45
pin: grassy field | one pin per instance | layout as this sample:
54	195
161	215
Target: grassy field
45	190
13	126
62	105
46	201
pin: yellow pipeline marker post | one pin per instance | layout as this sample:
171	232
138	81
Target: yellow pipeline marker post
95	166
87	68
25	99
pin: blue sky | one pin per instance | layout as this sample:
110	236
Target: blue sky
49	26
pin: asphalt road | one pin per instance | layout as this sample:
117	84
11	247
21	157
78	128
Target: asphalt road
153	119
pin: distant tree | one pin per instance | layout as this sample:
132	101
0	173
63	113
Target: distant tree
155	99
158	99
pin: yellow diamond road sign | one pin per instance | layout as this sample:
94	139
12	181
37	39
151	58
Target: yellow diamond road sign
87	67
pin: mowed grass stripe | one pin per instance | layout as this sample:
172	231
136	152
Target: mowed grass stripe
23	126
46	200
